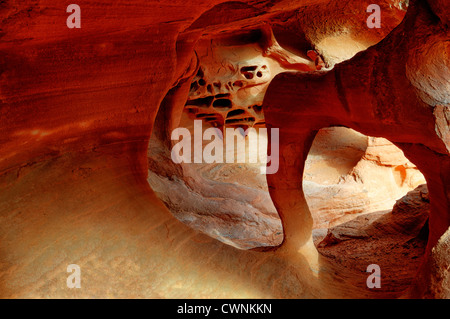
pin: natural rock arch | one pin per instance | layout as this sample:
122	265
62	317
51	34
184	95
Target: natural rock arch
362	94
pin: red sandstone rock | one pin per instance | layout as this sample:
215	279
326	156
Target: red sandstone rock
77	107
364	94
393	240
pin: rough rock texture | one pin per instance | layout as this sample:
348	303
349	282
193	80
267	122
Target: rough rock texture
339	30
78	106
440	267
374	238
233	74
363	94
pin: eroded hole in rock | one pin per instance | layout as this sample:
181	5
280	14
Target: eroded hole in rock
242	121
222	103
228	201
235	71
203	103
369	204
235	113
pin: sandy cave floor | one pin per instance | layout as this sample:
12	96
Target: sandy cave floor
92	210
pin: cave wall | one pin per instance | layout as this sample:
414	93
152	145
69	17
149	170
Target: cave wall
364	94
77	107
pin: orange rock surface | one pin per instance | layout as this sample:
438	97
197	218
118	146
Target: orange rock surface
78	108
